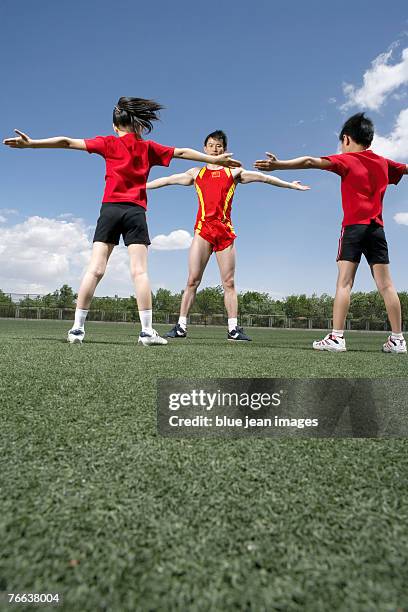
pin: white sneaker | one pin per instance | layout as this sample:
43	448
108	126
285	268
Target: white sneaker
330	343
151	339
394	345
76	336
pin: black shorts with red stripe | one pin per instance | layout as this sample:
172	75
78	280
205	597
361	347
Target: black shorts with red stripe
368	240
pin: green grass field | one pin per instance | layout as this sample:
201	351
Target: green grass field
99	508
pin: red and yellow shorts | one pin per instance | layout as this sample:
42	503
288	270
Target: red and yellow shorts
218	233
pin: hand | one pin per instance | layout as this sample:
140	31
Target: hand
22	142
298	185
266	164
225	159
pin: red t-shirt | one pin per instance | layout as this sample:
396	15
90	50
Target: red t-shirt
128	161
364	179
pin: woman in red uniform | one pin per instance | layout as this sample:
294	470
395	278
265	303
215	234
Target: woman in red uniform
214	232
128	160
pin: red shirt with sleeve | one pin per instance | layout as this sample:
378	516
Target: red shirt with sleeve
364	179
128	161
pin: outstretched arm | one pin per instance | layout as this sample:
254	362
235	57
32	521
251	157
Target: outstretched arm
222	160
299	163
23	141
247	176
185	178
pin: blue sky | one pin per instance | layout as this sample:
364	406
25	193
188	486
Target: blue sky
272	78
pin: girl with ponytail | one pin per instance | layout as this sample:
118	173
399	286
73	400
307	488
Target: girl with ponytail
128	157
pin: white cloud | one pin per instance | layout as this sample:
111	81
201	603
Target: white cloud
178	239
41	254
379	81
401	218
9	211
2	219
399	96
395	145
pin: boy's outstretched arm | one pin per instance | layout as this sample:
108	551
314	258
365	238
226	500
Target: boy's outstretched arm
23	141
299	163
185	178
225	159
247	176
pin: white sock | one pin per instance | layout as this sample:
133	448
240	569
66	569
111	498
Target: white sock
146	318
397	336
80	316
232	323
183	322
338	332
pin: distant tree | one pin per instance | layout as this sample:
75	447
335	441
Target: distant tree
31	301
4	298
367	306
210	300
279	306
107	303
320	306
49	300
253	302
129	303
164	300
298	306
65	297
403	295
376	306
177	301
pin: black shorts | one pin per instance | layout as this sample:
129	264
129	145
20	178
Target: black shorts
358	239
121	218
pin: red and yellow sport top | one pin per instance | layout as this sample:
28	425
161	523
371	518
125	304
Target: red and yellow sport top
215	190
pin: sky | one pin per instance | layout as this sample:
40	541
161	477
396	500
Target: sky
280	79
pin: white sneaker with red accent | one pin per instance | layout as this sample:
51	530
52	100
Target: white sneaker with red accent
394	345
335	344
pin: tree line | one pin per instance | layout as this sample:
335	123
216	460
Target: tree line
211	301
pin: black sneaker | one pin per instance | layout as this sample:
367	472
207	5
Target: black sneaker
238	335
176	332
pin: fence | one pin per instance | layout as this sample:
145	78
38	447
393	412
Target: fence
15	311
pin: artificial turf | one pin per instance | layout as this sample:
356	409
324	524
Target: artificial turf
99	508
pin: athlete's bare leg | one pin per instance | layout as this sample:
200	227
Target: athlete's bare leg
345	281
226	265
138	272
200	253
101	251
140	277
383	280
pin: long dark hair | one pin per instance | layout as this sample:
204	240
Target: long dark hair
136	113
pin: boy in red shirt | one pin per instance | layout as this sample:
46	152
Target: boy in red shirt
364	179
128	159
